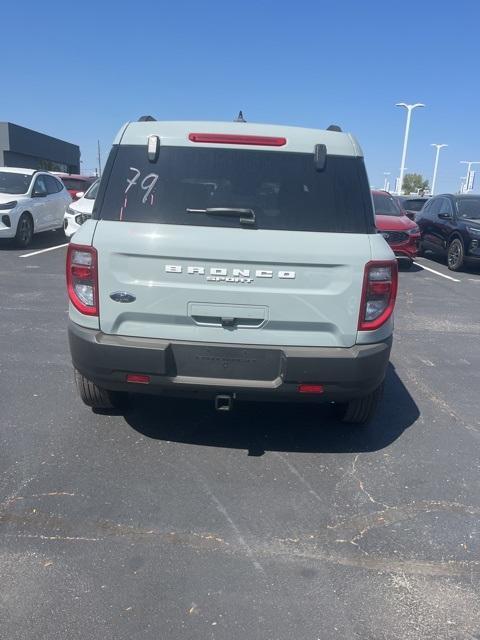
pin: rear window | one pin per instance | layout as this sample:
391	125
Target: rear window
385	205
53	185
469	208
91	194
74	184
283	189
413	205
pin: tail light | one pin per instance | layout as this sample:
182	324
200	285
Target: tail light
82	278
378	296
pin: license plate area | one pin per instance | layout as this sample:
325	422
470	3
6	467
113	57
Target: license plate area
232	363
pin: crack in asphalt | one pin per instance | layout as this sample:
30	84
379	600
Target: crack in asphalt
314	546
353	472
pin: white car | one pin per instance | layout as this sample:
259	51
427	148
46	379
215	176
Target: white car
81	210
30	201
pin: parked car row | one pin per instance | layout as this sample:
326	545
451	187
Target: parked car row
34	201
447	225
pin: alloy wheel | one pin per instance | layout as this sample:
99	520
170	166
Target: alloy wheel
25	234
455	255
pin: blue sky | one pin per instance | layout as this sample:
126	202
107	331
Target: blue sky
79	71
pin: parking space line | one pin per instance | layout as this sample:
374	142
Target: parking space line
35	253
438	273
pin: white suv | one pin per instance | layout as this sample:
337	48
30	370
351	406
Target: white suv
80	211
30	201
232	261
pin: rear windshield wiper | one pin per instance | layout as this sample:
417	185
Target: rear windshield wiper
229	211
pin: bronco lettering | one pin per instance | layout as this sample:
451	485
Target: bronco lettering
221	274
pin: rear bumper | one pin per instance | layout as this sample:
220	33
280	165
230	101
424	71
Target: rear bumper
249	372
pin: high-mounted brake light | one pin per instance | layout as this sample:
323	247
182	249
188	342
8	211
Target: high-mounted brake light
82	278
227	138
379	292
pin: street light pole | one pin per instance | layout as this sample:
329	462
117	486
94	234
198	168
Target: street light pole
385	182
469	170
99	160
409	108
434	179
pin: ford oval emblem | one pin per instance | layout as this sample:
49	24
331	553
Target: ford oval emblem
122	296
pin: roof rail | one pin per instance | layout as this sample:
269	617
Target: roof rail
334	127
147	119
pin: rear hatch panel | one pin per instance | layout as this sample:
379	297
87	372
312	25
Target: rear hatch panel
230	285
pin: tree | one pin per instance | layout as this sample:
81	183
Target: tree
414	183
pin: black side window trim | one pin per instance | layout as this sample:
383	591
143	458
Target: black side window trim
107	170
450	208
37	179
51	184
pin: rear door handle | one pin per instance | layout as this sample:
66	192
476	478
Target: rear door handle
228	316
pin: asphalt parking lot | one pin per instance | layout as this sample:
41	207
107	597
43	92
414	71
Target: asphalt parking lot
275	522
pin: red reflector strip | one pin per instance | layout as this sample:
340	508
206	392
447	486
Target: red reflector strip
227	138
138	378
310	388
379	288
81	272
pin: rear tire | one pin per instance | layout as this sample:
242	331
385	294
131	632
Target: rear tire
24	233
455	255
96	397
362	410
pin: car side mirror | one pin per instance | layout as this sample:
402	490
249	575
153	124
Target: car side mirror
80	194
445	216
